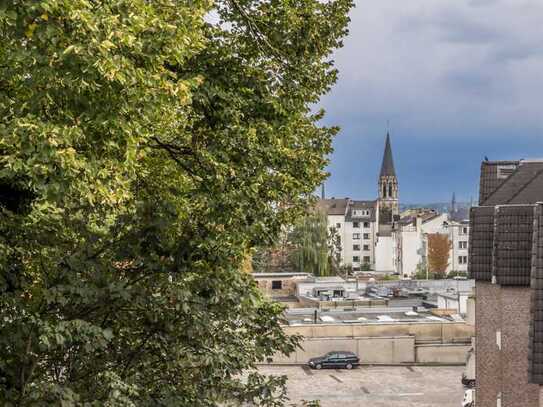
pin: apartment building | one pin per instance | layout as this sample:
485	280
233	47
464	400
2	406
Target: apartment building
506	260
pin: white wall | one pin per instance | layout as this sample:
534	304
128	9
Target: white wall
384	254
333	220
458	303
346	230
456	236
411	246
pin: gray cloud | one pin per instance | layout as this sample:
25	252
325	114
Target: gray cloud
431	62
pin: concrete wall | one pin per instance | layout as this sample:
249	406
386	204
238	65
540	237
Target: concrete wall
411	244
288	285
442	353
384	254
447	332
394	350
382	350
444	343
470	311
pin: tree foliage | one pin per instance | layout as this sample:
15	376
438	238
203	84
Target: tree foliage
438	254
145	148
315	248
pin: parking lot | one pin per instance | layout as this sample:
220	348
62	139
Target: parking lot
374	386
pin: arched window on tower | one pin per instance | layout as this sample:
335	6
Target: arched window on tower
384	190
390	190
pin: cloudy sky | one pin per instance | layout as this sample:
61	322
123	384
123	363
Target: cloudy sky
458	80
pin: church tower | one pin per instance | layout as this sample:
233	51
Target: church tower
389	204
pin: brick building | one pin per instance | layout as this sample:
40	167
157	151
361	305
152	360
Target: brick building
506	259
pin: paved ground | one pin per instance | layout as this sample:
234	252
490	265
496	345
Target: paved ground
374	386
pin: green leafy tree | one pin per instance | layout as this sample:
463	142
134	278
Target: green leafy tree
439	247
311	252
144	150
334	252
421	272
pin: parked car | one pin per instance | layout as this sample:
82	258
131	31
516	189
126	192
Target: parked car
335	360
468	376
469	398
467	382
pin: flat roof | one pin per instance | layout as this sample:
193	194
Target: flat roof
363	316
286	274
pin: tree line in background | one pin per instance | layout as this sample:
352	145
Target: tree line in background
146	147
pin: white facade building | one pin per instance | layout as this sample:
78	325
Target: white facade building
375	237
411	236
355	223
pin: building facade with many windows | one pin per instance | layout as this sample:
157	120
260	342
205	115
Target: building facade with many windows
375	236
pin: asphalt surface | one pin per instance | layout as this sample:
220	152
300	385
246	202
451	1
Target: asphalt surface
374	386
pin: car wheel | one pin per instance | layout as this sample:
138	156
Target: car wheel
349	366
318	366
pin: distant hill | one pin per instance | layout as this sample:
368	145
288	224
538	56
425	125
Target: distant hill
441	207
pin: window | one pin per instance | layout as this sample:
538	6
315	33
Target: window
356	259
356	236
366	224
366	247
367	259
462	245
277	284
357	213
356	247
356	225
338	225
366	236
390	190
463	231
505	171
462	259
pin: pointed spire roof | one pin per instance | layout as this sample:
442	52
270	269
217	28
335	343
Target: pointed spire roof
387	168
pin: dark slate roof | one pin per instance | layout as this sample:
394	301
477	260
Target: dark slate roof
333	206
481	240
493	174
514	187
371	205
535	347
387	167
532	192
513	235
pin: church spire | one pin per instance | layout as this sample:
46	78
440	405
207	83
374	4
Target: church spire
387	168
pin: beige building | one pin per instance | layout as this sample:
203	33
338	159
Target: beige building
374	236
506	260
279	285
365	227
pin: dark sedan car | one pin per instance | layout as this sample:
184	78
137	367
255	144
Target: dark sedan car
335	360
